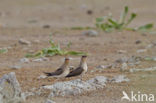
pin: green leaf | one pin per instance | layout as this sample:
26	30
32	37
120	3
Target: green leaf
69	44
113	22
145	27
123	15
148	58
53	50
76	53
81	28
3	51
133	15
100	19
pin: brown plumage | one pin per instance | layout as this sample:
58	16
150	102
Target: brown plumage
81	70
62	71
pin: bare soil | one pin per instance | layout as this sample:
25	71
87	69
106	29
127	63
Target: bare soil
26	18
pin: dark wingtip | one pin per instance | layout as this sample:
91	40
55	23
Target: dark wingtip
48	74
68	76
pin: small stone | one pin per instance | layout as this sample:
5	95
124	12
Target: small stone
121	51
141	50
32	21
104	66
16	67
122	60
114	65
9	47
36	41
119	79
137	41
37	60
98	81
49	101
94	70
143	34
46	26
154	44
24	60
24	42
149	46
89	12
131	70
124	67
45	59
40	59
10	90
105	59
42	77
154	58
91	33
27	94
145	69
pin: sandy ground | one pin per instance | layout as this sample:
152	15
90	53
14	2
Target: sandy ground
25	19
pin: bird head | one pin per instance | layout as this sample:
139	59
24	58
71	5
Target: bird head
67	60
83	58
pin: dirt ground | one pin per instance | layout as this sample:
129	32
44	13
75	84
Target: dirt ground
26	18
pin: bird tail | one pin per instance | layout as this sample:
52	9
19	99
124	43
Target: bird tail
48	74
71	75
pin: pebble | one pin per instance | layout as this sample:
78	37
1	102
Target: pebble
46	26
149	46
16	67
137	41
124	67
104	66
91	33
141	50
40	59
24	42
49	101
145	69
121	51
122	60
24	60
10	90
42	77
36	41
89	12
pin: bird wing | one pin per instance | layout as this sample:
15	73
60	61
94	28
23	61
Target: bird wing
57	72
75	72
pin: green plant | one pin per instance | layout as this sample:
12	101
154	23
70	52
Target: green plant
80	28
109	24
54	49
3	50
145	28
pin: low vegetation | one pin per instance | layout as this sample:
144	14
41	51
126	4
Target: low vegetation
4	50
109	24
53	50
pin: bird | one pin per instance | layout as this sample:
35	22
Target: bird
81	69
62	71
